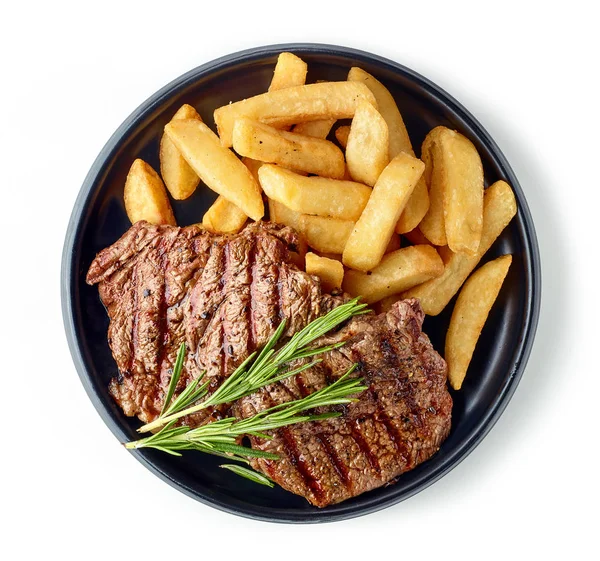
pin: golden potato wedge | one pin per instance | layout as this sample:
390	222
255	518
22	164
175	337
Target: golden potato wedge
316	129
499	207
367	151
394	244
415	209
397	271
341	134
472	308
217	167
416	237
180	179
399	140
375	227
223	217
314	195
325	235
146	197
433	225
290	70
455	176
418	204
264	143
289	106
253	166
462	180
330	271
281	214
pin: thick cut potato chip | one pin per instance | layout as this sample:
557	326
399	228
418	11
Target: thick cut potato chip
146	197
330	271
341	134
394	244
314	195
312	155
367	151
416	208
416	237
253	166
217	167
398	135
289	71
462	179
326	235
375	227
223	217
472	308
499	207
433	225
316	129
455	176
180	179
397	271
418	204
314	102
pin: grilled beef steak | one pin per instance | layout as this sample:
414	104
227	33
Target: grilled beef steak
225	296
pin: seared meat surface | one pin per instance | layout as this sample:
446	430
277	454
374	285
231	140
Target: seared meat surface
225	296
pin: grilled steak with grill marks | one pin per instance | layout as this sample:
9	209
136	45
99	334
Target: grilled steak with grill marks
225	296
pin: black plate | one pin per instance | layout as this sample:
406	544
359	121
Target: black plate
99	218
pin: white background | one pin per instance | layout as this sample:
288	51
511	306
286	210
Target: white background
72	73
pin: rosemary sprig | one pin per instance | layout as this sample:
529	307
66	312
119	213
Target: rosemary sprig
258	370
249	474
220	437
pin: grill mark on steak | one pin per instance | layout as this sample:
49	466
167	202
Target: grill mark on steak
355	431
300	464
135	316
336	462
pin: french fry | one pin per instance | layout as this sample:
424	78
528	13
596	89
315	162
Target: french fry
223	217
416	237
180	179
281	214
367	151
146	197
264	143
394	244
455	176
470	313
375	227
330	271
341	134
313	102
290	70
217	167
324	234
433	225
316	129
462	177
499	207
314	195
253	166
397	271
416	208
399	141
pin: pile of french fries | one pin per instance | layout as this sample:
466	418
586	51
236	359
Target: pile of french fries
379	222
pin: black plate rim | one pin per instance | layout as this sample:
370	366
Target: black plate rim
99	167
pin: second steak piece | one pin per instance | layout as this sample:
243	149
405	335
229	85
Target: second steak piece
398	423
